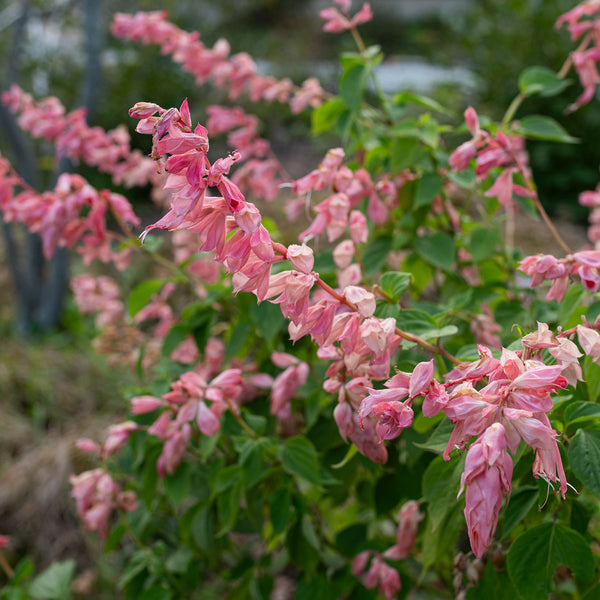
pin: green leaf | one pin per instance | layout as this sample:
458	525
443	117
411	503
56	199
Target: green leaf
405	153
376	253
441	482
584	458
179	560
237	339
438	440
437	249
428	187
157	593
176	335
465	179
227	478
482	243
140	561
570	303
408	97
394	284
415	321
579	413
542	81
299	457
494	585
177	485
539	127
203	531
521	502
280	510
591	375
141	294
301	552
268	319
55	582
327	115
228	505
535	555
353	84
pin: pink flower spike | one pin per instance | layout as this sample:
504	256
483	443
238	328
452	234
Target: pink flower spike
487	474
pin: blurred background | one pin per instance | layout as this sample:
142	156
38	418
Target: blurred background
54	389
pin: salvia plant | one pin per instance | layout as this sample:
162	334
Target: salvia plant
398	402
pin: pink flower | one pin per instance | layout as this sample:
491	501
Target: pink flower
409	518
590	342
487	474
343	254
118	437
420	378
141	405
301	257
435	400
384	577
363	300
392	417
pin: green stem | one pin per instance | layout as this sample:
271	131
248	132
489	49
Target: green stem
512	109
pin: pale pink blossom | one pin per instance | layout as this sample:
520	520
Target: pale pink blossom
363	300
301	257
384	577
118	436
141	405
409	518
590	342
358	227
343	254
487	475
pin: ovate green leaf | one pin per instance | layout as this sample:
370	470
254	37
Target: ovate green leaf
437	249
542	81
55	582
534	557
539	127
299	457
584	458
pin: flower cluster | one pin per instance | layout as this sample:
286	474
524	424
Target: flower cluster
236	73
191	401
503	151
337	22
108	151
583	22
498	401
72	214
584	264
380	574
96	495
358	344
